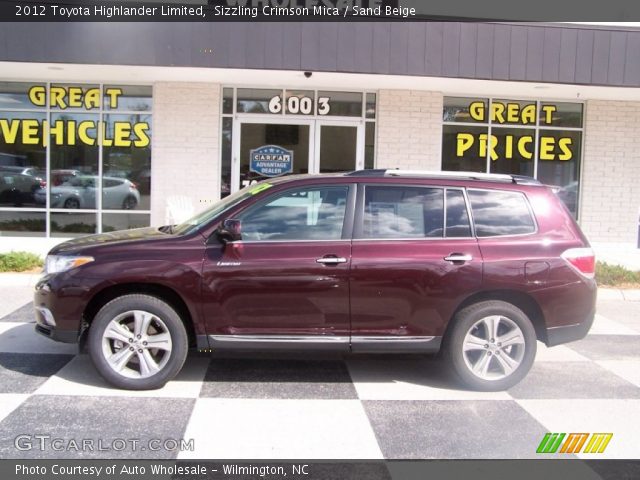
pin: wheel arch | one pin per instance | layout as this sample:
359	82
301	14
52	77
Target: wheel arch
522	300
160	291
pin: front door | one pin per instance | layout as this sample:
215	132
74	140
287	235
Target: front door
287	280
314	146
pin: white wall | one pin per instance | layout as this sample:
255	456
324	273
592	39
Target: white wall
186	138
611	171
409	129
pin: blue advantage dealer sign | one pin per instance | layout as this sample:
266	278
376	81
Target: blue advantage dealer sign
271	161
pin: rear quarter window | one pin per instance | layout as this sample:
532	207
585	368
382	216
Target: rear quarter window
497	213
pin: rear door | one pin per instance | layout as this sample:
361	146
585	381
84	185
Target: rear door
412	264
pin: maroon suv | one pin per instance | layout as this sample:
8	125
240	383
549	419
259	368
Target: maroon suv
476	266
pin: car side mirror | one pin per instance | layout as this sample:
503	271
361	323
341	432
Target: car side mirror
230	231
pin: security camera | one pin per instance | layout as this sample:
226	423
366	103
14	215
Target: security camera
308	74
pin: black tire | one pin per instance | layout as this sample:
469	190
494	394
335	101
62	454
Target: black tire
129	203
470	318
158	309
72	203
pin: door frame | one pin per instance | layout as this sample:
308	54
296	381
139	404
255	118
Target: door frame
315	125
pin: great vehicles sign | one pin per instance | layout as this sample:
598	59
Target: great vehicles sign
271	161
20	129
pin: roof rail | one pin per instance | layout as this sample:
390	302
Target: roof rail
491	177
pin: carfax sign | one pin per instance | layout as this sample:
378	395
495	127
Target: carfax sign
271	161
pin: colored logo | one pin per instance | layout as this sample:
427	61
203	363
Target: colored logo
573	443
271	161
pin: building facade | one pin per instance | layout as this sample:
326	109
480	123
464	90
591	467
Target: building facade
110	126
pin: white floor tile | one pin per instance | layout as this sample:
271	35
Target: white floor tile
559	353
627	369
79	377
9	402
413	379
14	297
620	417
22	338
604	326
248	428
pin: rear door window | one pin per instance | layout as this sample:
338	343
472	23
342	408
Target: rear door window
497	213
403	212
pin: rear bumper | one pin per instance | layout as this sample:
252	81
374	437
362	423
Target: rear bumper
569	333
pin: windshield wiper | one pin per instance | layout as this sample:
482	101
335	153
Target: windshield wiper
166	229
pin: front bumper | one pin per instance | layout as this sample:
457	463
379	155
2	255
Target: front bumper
46	325
59	307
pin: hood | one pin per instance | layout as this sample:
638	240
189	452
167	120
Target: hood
120	237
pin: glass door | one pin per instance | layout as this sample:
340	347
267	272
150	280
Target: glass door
271	149
339	146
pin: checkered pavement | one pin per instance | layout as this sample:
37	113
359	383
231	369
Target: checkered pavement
321	406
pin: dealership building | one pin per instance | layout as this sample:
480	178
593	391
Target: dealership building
105	126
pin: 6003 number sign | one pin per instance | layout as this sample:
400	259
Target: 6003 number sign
299	105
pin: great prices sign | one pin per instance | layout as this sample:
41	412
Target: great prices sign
514	143
69	131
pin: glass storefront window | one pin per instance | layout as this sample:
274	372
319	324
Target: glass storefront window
225	164
255	100
561	114
126	163
463	109
73	224
23	159
299	102
24	224
54	141
371	106
14	95
72	161
464	148
342	104
112	222
369	144
513	151
227	100
522	137
132	98
74	97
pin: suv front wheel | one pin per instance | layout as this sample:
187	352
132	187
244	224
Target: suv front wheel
491	346
138	342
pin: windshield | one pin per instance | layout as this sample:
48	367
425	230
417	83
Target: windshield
222	206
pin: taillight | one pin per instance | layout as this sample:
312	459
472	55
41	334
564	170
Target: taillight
582	259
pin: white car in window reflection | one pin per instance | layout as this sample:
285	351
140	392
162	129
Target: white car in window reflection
80	192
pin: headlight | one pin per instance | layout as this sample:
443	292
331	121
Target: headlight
62	263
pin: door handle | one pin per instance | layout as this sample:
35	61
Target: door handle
458	257
331	260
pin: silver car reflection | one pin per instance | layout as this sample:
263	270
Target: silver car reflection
80	192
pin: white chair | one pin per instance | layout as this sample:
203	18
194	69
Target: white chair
179	208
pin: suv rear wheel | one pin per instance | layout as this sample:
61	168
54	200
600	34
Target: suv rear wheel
492	345
138	342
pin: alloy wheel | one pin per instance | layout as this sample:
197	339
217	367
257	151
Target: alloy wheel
493	347
136	344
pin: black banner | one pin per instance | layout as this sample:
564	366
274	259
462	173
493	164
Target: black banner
315	10
320	469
